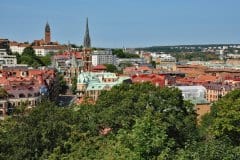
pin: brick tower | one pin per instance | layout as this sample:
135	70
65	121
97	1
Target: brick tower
47	34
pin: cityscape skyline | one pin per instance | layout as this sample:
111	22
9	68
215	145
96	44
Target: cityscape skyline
123	24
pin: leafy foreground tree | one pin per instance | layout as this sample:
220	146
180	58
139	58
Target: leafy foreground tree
37	134
144	122
224	119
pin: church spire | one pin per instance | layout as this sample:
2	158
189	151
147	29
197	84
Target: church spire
87	40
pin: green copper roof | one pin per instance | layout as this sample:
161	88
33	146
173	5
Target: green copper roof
94	80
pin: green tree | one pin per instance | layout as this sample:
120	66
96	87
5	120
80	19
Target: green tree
120	54
211	150
149	137
18	56
37	134
29	57
225	118
46	60
111	68
29	51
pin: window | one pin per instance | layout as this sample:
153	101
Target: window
21	95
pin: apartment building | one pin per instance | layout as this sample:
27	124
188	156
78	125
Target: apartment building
103	57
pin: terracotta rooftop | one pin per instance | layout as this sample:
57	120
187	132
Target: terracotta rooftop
99	67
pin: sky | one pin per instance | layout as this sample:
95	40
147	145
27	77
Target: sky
123	23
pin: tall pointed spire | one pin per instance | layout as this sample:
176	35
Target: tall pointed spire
87	40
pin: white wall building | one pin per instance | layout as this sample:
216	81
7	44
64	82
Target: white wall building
18	47
103	57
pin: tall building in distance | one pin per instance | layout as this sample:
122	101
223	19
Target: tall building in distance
47	34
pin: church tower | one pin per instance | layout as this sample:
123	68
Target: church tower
47	34
87	57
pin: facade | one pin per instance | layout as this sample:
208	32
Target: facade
90	84
103	57
166	62
215	91
6	59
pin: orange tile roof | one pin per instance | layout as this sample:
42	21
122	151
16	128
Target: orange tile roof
206	78
153	78
99	67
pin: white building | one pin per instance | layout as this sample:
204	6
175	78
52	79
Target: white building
18	47
6	59
103	57
219	52
39	50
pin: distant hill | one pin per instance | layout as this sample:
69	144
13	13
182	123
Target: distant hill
183	48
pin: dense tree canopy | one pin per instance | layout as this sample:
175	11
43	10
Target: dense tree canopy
132	121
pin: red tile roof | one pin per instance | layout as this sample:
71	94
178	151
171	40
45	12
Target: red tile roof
152	78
